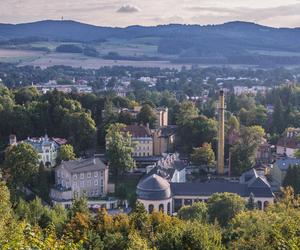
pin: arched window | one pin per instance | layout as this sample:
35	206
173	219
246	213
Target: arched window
169	208
259	205
161	208
150	208
266	204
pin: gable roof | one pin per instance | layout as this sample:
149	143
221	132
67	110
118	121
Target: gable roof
137	131
83	165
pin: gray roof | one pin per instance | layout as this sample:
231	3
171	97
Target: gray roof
153	187
259	188
83	165
284	164
39	143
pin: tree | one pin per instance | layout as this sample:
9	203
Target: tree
187	112
21	163
224	206
5	211
119	149
196	132
251	205
81	130
66	153
203	156
292	178
243	152
147	116
197	212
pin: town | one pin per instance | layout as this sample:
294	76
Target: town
152	140
149	125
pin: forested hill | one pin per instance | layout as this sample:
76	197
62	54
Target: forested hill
234	40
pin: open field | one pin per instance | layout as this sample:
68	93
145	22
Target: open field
93	63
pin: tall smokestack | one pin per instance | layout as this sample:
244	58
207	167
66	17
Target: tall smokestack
221	112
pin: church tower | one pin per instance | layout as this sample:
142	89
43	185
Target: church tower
221	138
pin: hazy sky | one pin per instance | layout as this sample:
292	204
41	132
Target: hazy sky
278	13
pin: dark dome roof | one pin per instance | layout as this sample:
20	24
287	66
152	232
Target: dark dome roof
153	187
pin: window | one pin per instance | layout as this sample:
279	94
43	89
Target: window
81	183
74	176
58	174
102	189
101	173
96	174
74	185
82	176
95	182
161	208
89	175
101	182
150	208
89	183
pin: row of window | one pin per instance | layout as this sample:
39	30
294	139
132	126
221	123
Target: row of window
88	175
141	154
81	175
142	148
88	183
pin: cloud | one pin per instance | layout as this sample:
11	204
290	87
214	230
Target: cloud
128	8
217	14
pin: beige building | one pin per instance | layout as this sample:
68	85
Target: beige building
142	139
88	177
161	117
164	140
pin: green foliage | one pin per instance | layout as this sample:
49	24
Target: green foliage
224	206
147	115
292	178
119	150
66	153
186	113
203	155
195	212
21	163
251	205
243	153
196	132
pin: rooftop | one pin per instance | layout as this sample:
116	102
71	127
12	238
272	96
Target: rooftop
83	165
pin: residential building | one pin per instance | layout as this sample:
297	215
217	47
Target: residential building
164	139
47	148
279	169
288	143
142	139
156	192
263	153
162	114
82	177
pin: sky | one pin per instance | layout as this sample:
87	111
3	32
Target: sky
276	13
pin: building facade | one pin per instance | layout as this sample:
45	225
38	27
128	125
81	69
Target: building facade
47	148
155	192
164	140
142	139
280	167
82	177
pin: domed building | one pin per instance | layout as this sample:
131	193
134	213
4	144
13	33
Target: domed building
154	192
157	193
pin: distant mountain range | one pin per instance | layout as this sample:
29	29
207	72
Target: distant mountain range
233	42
